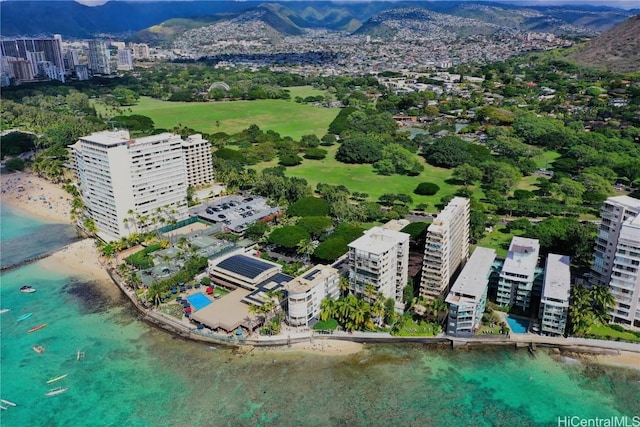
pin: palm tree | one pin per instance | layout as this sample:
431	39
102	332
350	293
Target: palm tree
369	291
603	301
133	218
306	248
378	310
580	310
438	306
327	309
344	286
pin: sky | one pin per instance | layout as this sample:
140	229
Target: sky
625	4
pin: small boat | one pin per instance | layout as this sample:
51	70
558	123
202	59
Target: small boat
58	378
4	310
6	402
55	391
37	328
4	408
27	289
38	349
24	317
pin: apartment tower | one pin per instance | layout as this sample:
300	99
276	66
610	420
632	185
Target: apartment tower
519	273
379	258
99	59
468	296
554	304
126	183
446	249
199	160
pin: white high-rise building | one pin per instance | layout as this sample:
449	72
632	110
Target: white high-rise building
614	212
199	160
554	303
515	286
99	60
126	183
446	249
625	275
468	296
379	258
306	292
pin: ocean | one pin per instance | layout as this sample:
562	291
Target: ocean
136	375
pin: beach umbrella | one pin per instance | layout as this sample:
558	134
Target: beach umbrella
209	290
187	310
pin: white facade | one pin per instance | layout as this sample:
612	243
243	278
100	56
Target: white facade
554	303
306	292
119	175
614	212
446	249
515	285
198	160
625	275
467	298
140	50
99	61
380	258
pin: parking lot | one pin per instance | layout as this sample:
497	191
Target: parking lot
235	212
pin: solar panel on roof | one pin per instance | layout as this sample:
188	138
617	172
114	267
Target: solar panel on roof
312	275
245	266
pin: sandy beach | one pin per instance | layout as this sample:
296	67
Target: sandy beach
325	347
36	197
625	359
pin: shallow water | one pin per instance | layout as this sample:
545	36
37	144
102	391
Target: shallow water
137	375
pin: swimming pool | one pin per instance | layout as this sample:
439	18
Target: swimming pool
518	325
199	301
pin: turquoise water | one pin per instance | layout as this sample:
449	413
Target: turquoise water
518	325
136	375
199	301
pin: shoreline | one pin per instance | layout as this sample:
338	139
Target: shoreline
82	258
36	197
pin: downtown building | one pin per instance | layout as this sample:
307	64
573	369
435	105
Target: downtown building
556	290
446	249
99	57
379	258
125	183
467	298
44	55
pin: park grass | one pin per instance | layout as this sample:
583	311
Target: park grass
288	118
499	239
364	179
544	160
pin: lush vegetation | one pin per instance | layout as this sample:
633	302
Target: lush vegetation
141	259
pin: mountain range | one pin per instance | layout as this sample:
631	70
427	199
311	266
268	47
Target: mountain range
157	21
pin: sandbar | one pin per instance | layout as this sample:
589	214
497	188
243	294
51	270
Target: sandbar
626	359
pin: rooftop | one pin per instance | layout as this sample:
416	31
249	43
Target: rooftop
522	257
472	282
557	278
246	266
108	138
626	201
310	279
378	240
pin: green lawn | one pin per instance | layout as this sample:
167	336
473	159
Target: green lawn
288	118
545	159
499	240
607	333
363	179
